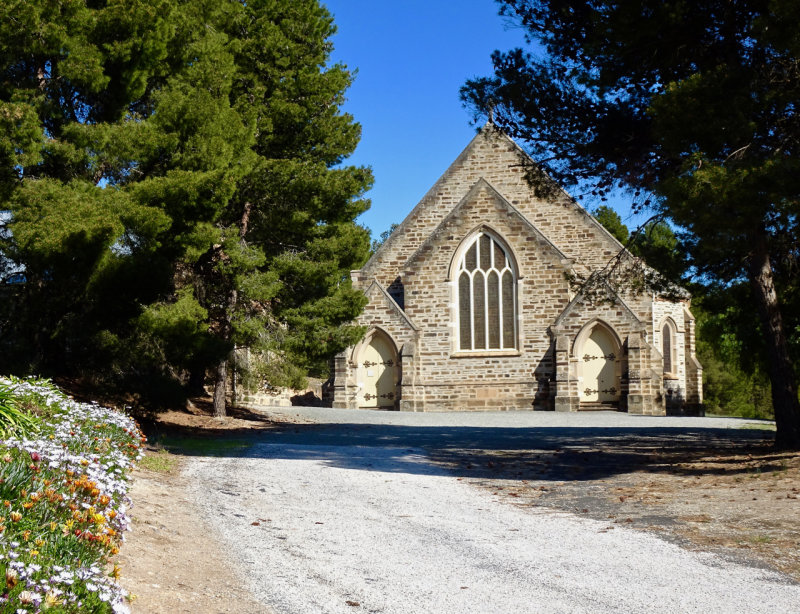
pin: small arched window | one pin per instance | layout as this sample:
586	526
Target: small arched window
486	297
668	347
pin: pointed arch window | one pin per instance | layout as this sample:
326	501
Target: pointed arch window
668	346
487	291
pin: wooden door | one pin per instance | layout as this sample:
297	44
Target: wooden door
597	366
380	373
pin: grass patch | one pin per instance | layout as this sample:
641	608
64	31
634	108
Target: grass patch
761	539
204	446
159	462
758	426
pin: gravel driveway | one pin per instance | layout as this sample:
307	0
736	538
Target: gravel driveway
350	516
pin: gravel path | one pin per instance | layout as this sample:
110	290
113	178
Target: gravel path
343	528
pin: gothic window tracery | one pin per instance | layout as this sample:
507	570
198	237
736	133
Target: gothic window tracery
486	296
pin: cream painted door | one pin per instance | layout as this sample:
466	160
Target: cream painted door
380	373
597	364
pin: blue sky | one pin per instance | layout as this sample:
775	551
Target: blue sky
412	57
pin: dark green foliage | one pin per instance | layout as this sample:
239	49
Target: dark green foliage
175	176
729	342
691	107
734	381
612	222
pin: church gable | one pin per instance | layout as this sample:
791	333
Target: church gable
484	206
384	310
614	310
432	275
494	157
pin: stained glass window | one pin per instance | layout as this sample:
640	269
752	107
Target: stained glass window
486	297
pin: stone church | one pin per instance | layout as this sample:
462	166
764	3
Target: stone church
470	307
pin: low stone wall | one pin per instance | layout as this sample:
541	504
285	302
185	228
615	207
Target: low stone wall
312	395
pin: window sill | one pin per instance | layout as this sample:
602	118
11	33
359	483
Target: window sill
485	354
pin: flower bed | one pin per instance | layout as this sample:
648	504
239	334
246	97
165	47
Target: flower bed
63	501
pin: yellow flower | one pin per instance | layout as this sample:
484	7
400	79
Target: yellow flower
51	600
53	526
26	535
39	542
99	519
27	505
115	572
34	553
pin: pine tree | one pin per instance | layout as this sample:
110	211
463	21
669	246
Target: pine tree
181	190
693	107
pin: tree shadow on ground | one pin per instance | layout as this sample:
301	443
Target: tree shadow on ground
523	453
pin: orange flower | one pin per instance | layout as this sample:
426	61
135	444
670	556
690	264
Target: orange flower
16	516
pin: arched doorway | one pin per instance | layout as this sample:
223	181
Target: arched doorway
378	372
598	366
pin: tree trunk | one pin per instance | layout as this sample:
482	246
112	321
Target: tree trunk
220	388
781	373
220	385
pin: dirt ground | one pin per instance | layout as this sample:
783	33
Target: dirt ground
742	501
171	562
